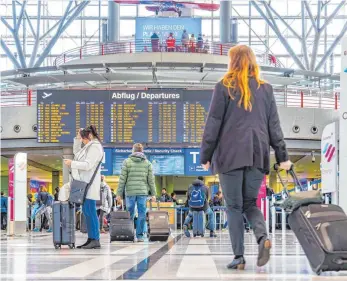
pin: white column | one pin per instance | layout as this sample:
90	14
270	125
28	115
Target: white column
20	193
342	197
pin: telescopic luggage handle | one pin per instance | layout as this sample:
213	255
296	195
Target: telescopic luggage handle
150	205
292	174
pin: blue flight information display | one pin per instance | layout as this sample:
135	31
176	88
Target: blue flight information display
156	116
165	161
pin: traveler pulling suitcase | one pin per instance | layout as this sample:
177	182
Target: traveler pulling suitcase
321	230
63	225
121	226
198	223
158	224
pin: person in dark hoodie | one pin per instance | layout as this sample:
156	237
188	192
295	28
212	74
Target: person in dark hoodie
199	183
137	179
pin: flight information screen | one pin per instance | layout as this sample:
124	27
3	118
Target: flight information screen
123	117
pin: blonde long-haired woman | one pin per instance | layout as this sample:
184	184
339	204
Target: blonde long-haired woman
241	126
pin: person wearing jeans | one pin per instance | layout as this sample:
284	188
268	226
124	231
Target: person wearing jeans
199	182
140	202
137	180
241	126
86	162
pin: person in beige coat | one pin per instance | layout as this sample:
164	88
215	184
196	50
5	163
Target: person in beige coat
86	161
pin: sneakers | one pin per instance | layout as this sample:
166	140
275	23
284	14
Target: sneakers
186	231
36	230
139	240
213	234
94	244
50	230
239	264
264	251
85	244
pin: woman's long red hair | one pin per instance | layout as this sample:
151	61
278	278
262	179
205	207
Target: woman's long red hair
242	66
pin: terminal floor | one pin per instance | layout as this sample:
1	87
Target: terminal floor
34	258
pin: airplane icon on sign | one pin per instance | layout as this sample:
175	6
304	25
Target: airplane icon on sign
45	95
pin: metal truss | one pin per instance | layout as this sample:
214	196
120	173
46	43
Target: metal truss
270	15
70	14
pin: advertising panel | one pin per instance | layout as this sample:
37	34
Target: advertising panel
145	27
329	158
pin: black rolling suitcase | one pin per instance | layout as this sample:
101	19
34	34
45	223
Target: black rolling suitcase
121	227
158	224
63	225
321	230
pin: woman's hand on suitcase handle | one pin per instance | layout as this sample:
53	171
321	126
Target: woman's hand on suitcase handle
287	165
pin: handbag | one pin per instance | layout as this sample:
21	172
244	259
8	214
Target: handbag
79	189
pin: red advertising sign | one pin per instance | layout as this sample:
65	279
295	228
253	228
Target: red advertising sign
11	186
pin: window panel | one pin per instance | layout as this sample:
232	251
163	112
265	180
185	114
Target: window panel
127	27
128	10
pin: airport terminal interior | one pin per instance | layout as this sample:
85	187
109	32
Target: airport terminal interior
144	72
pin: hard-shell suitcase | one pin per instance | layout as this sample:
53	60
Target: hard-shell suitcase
63	225
83	227
198	223
121	227
158	224
321	230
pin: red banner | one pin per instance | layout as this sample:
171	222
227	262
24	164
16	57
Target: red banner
11	186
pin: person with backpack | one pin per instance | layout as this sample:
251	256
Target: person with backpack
3	211
45	203
137	180
104	205
197	198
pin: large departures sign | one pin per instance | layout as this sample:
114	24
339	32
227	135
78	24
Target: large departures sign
124	117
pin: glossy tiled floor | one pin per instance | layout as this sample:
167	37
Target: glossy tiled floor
34	258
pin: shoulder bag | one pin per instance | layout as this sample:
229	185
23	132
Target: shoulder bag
79	189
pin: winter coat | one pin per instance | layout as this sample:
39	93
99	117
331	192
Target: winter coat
105	192
137	176
85	161
235	138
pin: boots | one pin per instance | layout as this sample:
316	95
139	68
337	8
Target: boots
94	244
85	244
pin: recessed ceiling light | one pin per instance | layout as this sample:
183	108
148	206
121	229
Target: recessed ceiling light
45	155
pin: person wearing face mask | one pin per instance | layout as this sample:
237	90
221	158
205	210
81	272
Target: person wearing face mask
86	160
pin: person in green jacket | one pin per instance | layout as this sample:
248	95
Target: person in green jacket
137	180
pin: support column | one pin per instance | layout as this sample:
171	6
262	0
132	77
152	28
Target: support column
225	24
342	188
113	21
104	37
55	180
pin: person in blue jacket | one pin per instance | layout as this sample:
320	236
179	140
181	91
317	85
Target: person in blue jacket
3	211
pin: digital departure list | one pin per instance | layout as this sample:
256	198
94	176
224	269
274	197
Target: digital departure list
124	117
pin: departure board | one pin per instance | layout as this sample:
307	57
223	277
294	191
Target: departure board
163	116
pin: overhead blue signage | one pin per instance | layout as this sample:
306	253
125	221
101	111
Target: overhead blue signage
192	163
106	165
168	164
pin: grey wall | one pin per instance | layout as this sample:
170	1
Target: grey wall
24	116
305	118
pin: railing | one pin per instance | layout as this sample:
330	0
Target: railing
154	46
301	98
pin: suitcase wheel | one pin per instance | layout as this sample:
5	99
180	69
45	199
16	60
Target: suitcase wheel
319	272
56	246
72	246
202	235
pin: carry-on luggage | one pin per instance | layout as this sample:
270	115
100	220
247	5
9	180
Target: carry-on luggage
63	224
198	223
83	226
321	230
121	227
158	224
